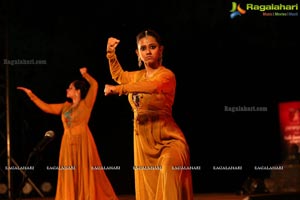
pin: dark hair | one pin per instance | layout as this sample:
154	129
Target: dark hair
83	86
150	32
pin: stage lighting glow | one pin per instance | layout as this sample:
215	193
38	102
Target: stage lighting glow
46	187
27	188
3	188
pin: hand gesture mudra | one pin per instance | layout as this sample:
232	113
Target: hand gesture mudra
112	43
109	89
26	90
83	70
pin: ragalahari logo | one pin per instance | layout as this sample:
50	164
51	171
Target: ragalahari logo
236	10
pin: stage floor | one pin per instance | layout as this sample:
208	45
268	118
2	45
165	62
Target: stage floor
212	196
217	196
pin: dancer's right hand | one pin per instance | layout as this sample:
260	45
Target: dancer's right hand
26	90
112	43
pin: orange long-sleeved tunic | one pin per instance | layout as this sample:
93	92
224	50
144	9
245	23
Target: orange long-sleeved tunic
161	152
79	177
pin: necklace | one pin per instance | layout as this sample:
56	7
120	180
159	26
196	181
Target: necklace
68	116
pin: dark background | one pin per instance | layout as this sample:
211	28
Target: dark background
247	61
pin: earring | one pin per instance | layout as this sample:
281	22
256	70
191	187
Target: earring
139	62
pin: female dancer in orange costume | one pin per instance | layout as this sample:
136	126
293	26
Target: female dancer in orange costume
79	177
161	153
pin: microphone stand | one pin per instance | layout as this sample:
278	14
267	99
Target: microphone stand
36	152
26	177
